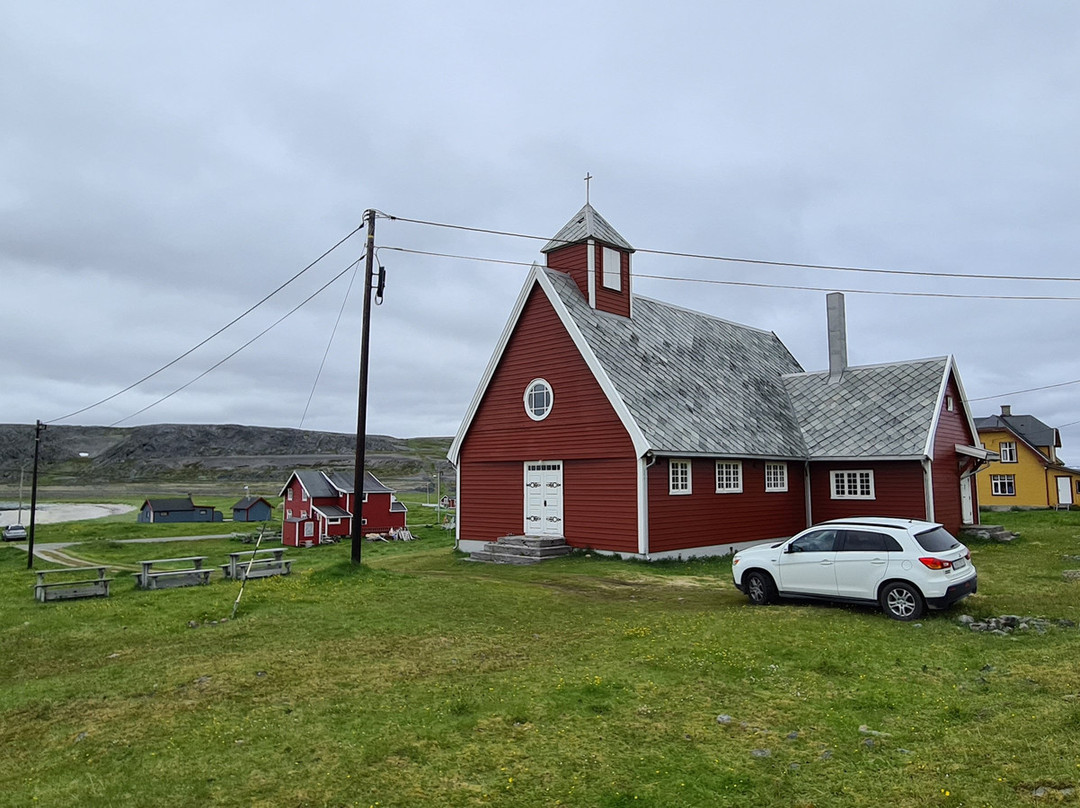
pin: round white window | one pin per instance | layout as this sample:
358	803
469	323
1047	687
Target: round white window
538	399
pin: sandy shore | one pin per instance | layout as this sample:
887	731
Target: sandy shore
63	512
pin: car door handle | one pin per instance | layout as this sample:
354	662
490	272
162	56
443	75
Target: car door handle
878	562
826	563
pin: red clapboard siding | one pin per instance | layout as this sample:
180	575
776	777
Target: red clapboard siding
582	426
952	430
704	517
600	504
582	423
574	261
898	488
491	500
616	302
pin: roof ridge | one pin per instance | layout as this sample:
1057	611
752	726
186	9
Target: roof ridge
943	358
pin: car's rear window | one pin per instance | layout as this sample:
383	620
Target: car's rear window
937	540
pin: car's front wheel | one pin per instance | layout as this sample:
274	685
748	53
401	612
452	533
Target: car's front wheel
902	601
759	587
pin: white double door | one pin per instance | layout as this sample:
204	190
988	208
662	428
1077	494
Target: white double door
544	498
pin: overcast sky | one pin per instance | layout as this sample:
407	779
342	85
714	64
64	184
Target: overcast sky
165	166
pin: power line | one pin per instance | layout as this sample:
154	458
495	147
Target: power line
756	285
1028	390
222	361
756	261
192	350
329	342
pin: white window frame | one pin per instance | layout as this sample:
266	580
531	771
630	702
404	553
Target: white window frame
529	405
290	495
776	479
729	478
852	484
611	276
680	477
1003	485
1007	450
309	529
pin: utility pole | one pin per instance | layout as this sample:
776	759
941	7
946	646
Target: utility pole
361	409
33	496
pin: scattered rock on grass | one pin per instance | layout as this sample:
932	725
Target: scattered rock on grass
1010	623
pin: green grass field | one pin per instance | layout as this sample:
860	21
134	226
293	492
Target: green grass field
420	678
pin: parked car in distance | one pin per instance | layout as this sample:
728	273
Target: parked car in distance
14	533
903	565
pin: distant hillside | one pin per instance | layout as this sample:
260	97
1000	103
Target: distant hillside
85	455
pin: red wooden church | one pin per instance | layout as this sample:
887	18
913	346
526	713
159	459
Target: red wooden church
319	505
627	425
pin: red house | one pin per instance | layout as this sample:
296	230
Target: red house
318	505
627	425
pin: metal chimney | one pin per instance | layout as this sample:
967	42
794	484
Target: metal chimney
834	303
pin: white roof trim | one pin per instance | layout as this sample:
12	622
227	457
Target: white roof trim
951	371
976	452
538	276
288	482
939	402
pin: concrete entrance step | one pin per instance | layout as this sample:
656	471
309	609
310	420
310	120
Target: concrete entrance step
988	533
522	550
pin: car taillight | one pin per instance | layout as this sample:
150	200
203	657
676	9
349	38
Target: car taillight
935	563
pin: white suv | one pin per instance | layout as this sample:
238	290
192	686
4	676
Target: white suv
904	565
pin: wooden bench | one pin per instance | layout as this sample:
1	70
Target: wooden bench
257	564
191	575
48	588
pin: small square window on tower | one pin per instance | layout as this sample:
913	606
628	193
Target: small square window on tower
612	269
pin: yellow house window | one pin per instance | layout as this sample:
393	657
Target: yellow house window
1007	450
1003	485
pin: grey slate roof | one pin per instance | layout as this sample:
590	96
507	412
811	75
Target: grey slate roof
586	224
1028	427
332	511
330	484
873	411
694	384
315	483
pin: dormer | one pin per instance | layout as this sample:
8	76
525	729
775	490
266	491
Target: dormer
592	252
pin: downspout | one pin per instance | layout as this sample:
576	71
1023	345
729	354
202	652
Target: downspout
457	507
647	461
928	488
806	493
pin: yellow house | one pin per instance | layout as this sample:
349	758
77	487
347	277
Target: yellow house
1028	473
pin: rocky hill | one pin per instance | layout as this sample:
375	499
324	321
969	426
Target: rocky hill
88	455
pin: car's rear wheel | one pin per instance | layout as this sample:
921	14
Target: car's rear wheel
902	601
759	587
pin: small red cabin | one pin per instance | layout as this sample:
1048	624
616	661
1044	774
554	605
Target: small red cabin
319	505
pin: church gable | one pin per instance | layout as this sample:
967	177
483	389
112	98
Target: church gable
543	399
